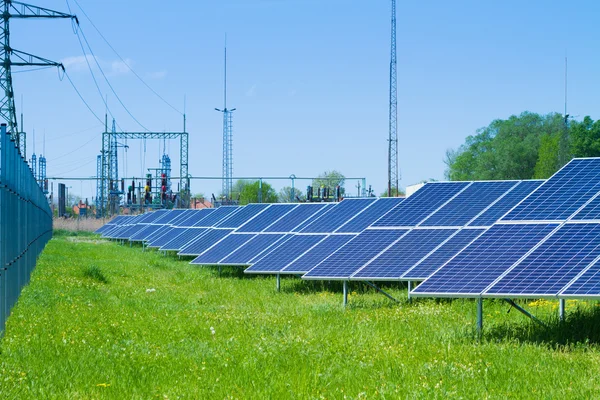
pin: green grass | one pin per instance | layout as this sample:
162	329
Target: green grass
74	335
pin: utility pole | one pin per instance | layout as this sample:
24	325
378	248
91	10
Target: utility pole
393	187
15	9
227	183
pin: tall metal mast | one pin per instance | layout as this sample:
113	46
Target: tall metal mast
227	183
15	9
393	187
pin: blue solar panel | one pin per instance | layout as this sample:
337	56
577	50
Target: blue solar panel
217	216
468	204
326	207
440	256
129	231
369	215
155	239
285	253
252	249
587	285
502	206
205	241
169	216
295	217
144	233
355	254
403	254
150	217
221	249
418	206
550	267
242	216
484	260
180	239
317	254
266	218
561	195
337	216
191	219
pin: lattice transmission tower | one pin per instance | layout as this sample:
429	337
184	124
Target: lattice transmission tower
393	175
227	183
14	9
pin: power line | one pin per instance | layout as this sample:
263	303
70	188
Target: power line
82	99
123	61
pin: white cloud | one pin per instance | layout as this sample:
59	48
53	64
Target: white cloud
78	63
111	68
118	67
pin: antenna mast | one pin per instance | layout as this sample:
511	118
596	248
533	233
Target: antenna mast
393	188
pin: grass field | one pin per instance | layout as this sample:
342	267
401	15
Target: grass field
100	320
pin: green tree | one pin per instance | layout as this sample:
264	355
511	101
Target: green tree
395	193
285	195
254	192
548	156
585	138
330	179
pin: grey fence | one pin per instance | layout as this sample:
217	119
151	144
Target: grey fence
25	223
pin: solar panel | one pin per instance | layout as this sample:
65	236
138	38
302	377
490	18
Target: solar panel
296	217
551	266
270	215
369	215
561	195
182	237
508	201
468	203
202	243
155	238
337	216
403	254
244	215
217	215
586	285
355	254
252	249
484	260
194	217
222	248
317	254
326	207
129	231
418	206
284	253
143	233
152	216
428	265
169	216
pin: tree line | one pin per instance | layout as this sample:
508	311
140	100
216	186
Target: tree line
527	146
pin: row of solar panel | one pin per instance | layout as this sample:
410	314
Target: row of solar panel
547	246
334	248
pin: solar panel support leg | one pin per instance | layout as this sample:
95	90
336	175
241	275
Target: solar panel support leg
389	296
278	282
525	312
409	290
561	309
479	315
345	293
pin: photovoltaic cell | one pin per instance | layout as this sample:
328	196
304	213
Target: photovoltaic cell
194	217
470	202
222	248
295	217
251	249
439	257
369	215
561	195
156	236
550	267
129	231
502	206
180	241
285	253
271	214
143	233
317	254
242	216
337	216
421	204
356	253
484	260
326	207
587	285
168	217
403	254
202	243
217	216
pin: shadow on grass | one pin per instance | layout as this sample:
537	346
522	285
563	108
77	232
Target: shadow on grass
580	327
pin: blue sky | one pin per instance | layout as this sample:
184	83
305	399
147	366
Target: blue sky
309	79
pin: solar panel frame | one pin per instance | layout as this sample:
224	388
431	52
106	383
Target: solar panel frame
586	285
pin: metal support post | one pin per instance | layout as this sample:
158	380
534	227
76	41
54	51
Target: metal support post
389	296
409	290
345	293
479	316
524	312
278	282
561	309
